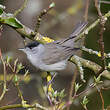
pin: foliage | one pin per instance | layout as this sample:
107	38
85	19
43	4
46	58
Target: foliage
56	98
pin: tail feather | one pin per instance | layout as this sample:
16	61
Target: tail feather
78	28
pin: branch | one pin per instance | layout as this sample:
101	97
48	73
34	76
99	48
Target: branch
91	65
57	17
29	33
5	83
92	26
102	99
43	13
86	10
100	41
21	8
22	106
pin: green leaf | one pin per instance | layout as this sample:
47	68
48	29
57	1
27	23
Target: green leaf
15	79
98	79
62	93
19	67
1	11
77	86
8	59
13	22
85	100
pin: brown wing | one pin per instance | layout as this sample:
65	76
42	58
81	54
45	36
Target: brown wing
55	53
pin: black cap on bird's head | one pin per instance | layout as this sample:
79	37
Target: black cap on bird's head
32	44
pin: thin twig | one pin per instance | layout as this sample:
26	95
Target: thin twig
23	106
72	10
49	84
21	8
97	5
101	42
43	13
77	95
89	28
105	2
27	32
5	83
90	87
72	87
90	51
105	88
85	108
101	99
19	92
86	10
13	69
1	31
51	80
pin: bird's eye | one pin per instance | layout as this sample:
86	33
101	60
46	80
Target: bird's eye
32	45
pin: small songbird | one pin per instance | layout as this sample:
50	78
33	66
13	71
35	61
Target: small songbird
53	56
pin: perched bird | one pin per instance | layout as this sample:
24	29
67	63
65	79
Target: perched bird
53	56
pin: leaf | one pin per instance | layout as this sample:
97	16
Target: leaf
52	5
85	100
1	11
8	59
19	67
98	79
13	22
77	86
62	94
15	79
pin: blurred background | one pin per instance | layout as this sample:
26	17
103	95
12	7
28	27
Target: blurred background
57	24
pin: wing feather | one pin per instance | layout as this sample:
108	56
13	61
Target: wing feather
55	53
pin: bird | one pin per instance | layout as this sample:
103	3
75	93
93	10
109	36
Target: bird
53	56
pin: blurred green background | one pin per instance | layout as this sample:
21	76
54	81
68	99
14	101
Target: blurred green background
57	24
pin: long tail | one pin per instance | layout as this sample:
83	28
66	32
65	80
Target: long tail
77	30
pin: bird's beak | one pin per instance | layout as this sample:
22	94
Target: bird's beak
22	49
